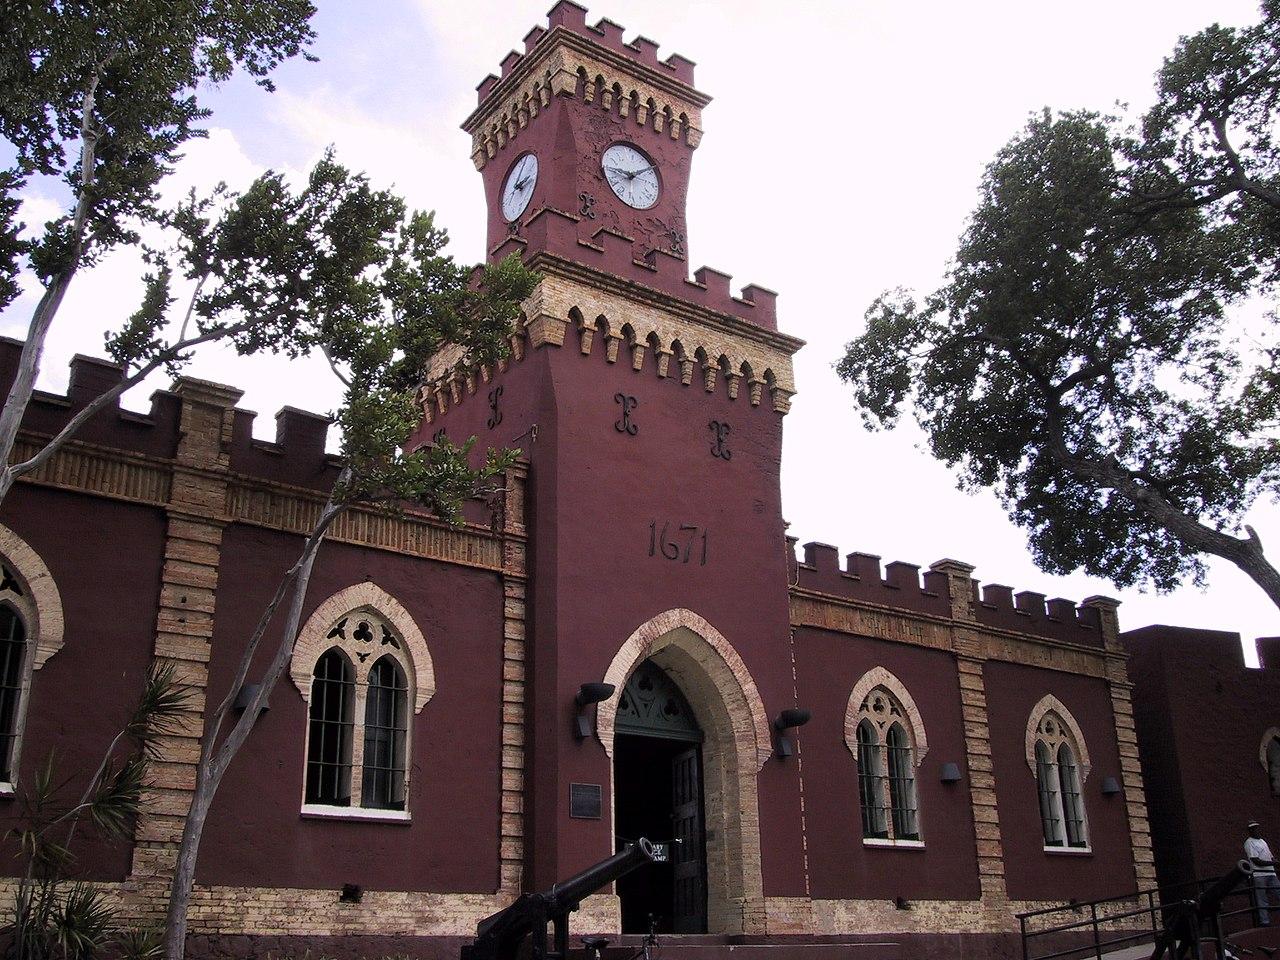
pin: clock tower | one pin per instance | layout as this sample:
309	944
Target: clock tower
649	404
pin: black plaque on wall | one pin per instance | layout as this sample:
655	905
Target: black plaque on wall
585	801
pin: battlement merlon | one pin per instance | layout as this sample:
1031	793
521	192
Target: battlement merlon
572	59
1088	623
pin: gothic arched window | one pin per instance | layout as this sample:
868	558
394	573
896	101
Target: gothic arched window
31	631
1058	779
368	727
886	769
358	739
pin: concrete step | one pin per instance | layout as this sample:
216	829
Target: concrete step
719	947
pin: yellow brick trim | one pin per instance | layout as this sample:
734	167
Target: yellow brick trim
41	604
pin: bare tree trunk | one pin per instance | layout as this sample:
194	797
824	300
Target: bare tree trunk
24	383
214	757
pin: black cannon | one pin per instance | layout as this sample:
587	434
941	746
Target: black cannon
498	937
1184	920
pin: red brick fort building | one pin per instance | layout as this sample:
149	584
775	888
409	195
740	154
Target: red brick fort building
970	752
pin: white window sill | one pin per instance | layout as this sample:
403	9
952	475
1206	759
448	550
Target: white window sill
324	812
1070	851
902	844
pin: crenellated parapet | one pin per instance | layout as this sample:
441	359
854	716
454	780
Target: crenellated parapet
598	314
900	585
128	455
568	58
551	240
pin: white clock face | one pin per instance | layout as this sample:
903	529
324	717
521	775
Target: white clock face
631	175
518	189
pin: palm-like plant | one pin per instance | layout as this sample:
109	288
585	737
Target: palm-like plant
55	916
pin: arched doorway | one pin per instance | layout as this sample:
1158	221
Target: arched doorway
737	742
658	794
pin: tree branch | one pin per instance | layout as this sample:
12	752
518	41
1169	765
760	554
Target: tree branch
1108	473
98	403
1241	177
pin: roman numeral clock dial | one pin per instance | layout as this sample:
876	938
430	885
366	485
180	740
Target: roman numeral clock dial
631	175
517	191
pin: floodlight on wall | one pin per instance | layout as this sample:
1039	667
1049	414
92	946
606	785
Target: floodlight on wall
1110	786
951	773
789	720
588	694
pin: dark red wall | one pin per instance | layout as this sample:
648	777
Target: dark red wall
594	493
105	558
610	486
1031	873
828	665
255	828
1201	716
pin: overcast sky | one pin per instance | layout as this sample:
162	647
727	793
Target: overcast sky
841	156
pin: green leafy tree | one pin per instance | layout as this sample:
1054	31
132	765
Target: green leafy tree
1081	358
343	269
56	915
101	96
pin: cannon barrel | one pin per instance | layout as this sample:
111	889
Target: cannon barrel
1209	901
498	937
567	894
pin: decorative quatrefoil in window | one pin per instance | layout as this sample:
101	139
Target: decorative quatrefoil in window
339	630
363	633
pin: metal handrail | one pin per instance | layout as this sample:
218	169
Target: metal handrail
1159	909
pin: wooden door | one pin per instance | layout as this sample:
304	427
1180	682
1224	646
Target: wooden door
689	911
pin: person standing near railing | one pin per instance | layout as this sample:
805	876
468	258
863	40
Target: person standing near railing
1265	883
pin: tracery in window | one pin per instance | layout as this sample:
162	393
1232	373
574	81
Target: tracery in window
886	769
1058	779
358	735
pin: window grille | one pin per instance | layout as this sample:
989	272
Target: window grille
1072	805
331	724
386	731
1062	814
1048	786
902	784
13	655
886	770
869	793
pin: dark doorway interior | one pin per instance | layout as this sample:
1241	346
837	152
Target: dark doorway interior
657	795
657	780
